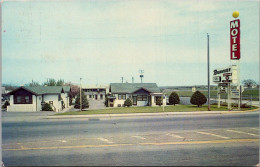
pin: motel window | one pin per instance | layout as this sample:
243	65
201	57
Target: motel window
22	99
19	99
101	97
90	96
124	96
139	98
27	99
142	98
121	96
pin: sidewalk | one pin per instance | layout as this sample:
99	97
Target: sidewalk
144	114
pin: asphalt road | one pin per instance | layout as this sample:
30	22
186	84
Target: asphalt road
222	139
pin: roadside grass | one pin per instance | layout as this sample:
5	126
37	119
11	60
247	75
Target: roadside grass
177	108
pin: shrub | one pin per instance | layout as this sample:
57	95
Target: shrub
198	99
84	101
106	101
174	98
234	105
47	107
6	104
159	101
128	102
245	106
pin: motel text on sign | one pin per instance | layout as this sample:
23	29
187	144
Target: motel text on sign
235	39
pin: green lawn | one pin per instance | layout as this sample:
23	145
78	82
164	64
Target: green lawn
213	93
177	108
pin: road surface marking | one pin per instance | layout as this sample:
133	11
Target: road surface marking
64	147
173	135
115	145
63	141
211	134
139	137
105	140
236	131
204	142
254	129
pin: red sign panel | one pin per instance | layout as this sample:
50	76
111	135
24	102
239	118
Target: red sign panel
235	39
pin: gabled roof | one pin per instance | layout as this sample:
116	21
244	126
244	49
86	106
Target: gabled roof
39	90
133	87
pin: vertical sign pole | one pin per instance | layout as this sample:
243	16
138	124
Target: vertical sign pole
208	76
80	96
218	96
240	95
238	81
229	99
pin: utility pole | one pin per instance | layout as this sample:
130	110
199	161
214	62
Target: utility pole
80	96
132	79
122	79
141	75
208	76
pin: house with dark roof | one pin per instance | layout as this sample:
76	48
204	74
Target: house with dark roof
141	94
31	99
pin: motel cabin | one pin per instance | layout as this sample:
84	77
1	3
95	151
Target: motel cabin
31	99
141	94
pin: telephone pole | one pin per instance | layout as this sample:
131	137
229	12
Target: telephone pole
208	76
141	75
122	79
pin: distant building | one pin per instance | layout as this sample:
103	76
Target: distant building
141	94
31	99
95	92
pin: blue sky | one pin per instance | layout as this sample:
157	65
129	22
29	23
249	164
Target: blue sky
102	41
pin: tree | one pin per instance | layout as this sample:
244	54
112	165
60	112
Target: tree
174	98
106	100
74	89
128	102
6	104
60	82
50	82
198	98
33	84
159	101
249	83
84	101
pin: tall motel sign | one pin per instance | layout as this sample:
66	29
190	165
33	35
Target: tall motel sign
228	79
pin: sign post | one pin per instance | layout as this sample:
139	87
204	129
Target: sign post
235	53
219	89
230	77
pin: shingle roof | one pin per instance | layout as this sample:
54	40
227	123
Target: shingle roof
39	90
132	87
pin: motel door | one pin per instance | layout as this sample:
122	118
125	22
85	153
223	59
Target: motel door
96	97
134	100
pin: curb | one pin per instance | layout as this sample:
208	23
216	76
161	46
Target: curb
145	114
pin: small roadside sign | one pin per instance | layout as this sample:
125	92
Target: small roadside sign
235	94
222	90
223	84
193	89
